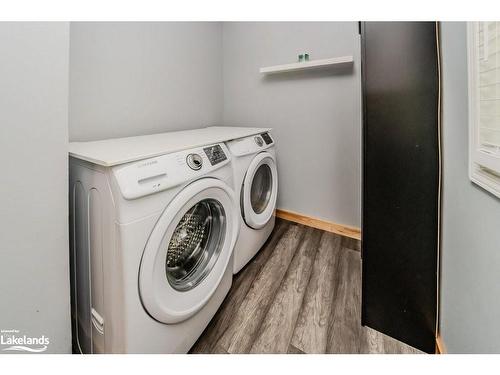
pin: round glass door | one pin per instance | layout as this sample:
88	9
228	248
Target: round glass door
262	186
259	191
188	252
195	244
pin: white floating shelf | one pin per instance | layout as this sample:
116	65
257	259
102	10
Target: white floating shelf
334	62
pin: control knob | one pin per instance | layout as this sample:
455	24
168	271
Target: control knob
194	161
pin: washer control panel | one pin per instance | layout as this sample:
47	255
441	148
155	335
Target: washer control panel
163	172
215	154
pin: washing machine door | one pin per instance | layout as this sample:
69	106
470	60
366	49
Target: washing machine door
259	190
188	251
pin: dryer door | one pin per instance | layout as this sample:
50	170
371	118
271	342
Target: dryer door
188	251
259	190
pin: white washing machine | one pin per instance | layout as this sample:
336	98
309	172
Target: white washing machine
151	244
256	188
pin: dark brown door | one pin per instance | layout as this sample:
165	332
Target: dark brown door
401	180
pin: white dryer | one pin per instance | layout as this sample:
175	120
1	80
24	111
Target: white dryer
151	246
256	188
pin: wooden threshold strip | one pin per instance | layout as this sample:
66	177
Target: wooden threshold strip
328	226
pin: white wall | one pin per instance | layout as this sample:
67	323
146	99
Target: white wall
316	115
34	277
470	257
132	78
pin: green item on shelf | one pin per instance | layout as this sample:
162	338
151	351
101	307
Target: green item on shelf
301	58
306	57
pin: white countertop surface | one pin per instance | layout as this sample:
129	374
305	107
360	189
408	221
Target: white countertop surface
110	152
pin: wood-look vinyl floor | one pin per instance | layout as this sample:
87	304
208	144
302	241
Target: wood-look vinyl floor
300	294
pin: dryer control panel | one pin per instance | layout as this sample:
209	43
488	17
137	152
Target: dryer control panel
251	145
152	175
